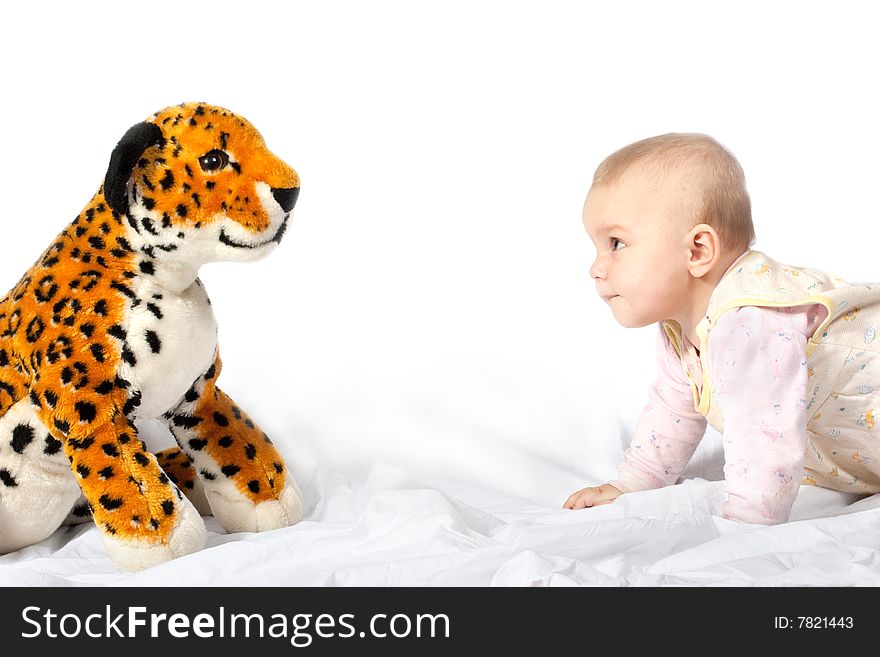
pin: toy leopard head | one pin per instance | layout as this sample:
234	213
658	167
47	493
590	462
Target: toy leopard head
197	184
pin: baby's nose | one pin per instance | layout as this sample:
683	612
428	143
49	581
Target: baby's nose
597	269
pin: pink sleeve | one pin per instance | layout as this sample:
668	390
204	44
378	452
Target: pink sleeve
759	376
668	431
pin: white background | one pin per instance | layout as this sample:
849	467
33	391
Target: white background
430	305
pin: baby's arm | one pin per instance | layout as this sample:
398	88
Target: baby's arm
666	436
759	365
668	431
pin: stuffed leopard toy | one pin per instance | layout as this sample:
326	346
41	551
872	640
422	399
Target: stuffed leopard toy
112	326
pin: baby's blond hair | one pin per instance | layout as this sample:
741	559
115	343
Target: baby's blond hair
725	203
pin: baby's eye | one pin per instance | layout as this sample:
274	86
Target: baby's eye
616	244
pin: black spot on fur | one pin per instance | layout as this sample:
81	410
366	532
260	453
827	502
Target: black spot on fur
34	329
132	403
221	419
45	289
153	308
278	467
51	398
210	476
7	478
128	356
85	443
168	507
142	459
153	341
62	426
22	436
122	288
97	352
147	223
87	329
110	449
250	451
225	441
101	308
168	181
198	444
106	473
83	471
186	421
52	446
110	503
254	486
146	267
86	411
230	470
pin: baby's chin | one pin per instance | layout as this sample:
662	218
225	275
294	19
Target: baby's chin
629	320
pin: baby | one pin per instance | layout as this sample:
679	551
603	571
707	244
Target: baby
783	361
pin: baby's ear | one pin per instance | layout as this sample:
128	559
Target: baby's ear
124	157
704	250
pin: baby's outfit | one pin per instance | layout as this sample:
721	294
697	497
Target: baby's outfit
788	370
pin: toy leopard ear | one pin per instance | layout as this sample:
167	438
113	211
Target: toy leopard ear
128	151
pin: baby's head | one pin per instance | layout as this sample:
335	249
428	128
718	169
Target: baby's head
668	215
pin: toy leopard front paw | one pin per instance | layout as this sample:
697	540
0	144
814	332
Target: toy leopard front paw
235	509
245	479
239	513
188	535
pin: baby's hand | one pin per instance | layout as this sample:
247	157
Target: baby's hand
592	496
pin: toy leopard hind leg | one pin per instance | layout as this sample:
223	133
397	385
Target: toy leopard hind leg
112	325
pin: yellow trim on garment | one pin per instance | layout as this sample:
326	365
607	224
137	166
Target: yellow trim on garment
703	394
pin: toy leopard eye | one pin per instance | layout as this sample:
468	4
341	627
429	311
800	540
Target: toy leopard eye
213	160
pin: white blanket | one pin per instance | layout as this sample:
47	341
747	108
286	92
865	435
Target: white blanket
389	528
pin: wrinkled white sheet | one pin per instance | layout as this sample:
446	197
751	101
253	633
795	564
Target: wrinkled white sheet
389	528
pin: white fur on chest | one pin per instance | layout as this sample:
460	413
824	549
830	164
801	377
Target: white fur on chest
172	339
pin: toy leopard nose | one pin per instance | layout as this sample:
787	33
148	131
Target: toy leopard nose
286	197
